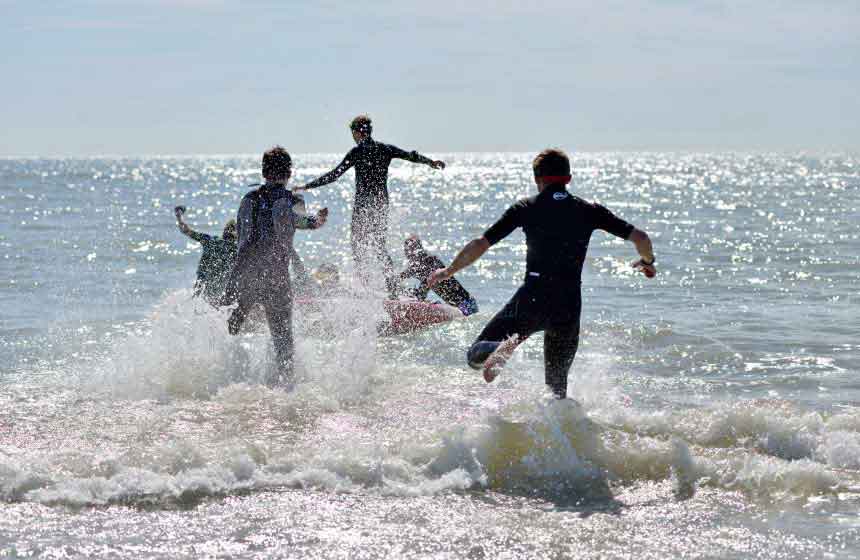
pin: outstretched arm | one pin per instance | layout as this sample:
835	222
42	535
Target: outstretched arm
643	246
184	228
467	255
331	176
415	157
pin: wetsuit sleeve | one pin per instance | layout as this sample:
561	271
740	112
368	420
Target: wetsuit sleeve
510	220
412	156
610	223
335	173
201	238
297	215
244	223
301	273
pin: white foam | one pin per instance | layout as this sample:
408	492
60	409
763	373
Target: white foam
185	360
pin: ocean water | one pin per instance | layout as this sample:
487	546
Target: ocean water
715	410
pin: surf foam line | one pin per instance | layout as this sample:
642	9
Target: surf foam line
534	445
541	448
770	450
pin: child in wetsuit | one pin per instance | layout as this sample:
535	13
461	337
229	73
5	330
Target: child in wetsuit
216	262
421	266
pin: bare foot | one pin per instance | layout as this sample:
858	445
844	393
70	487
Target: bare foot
493	367
497	360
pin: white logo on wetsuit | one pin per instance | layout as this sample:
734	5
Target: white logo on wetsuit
559	195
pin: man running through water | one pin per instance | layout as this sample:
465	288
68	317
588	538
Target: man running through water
216	261
558	227
421	265
369	226
267	222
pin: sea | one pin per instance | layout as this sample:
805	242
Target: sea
714	410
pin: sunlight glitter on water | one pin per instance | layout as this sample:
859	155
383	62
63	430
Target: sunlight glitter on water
717	405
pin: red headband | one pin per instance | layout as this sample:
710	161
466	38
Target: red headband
551	179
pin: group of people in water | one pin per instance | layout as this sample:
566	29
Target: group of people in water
250	265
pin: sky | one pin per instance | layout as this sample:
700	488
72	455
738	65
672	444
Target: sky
136	77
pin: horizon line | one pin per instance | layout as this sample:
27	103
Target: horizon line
685	151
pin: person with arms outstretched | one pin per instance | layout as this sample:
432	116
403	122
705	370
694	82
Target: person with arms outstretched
267	222
558	227
216	261
369	226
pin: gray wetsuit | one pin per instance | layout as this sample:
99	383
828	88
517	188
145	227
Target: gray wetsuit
267	222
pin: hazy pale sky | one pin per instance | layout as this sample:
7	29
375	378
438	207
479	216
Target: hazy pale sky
224	76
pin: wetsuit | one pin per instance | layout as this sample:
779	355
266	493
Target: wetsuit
369	226
216	262
267	222
421	266
558	227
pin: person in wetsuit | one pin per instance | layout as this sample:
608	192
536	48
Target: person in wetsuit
421	265
369	226
558	227
216	261
267	222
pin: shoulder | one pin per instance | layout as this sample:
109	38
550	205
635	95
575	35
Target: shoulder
387	148
601	216
592	206
580	204
251	196
523	204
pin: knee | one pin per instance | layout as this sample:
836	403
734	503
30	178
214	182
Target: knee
479	352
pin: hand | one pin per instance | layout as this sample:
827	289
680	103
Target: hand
322	216
438	164
439	275
178	211
297	190
647	269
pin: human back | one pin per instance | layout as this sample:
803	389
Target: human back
557	224
558	227
264	231
372	160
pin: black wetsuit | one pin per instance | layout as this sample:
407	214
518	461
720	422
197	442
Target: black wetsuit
268	219
421	266
216	262
558	227
370	210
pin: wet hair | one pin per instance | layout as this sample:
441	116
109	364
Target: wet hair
230	229
412	246
362	123
277	163
551	162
